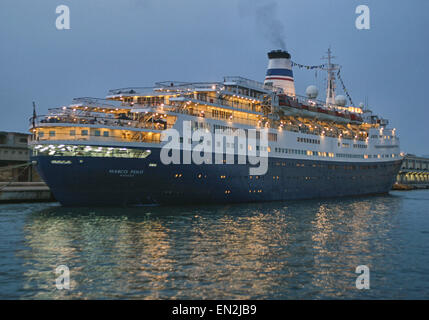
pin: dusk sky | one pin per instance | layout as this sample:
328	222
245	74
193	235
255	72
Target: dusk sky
122	43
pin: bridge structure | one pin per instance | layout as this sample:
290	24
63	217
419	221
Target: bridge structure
414	172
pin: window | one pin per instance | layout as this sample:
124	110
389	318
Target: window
272	136
105	133
97	133
72	132
84	132
52	133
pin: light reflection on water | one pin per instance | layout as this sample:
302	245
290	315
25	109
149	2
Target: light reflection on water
305	249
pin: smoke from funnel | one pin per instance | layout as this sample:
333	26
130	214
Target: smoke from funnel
267	21
272	27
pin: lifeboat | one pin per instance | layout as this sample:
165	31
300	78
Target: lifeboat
292	107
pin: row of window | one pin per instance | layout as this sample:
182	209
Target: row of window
85	132
320	154
229	145
376	136
4	139
350	156
200	125
13	152
150	100
290	151
367	156
244	91
308	140
308	179
361	146
272	136
89	151
305	152
230	130
333	167
221	114
225	129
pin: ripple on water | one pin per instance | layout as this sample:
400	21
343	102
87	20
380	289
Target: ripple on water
283	250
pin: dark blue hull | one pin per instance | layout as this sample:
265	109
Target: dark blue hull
93	181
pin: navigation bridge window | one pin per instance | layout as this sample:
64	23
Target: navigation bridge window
88	151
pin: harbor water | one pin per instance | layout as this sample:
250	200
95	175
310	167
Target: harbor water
281	250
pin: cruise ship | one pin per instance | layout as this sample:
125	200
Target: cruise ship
235	140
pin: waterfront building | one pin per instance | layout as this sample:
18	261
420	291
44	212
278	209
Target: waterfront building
414	172
14	153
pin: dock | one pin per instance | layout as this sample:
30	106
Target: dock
24	192
414	173
19	180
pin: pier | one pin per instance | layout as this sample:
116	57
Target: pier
414	173
24	192
19	181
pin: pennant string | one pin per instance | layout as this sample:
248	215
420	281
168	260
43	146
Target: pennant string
344	87
303	66
321	67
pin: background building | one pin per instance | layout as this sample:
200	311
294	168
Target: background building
414	172
14	152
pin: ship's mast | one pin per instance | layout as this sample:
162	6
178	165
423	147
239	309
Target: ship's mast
330	88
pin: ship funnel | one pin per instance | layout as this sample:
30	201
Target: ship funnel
279	72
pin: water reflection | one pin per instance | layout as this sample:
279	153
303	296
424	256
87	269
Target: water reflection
262	251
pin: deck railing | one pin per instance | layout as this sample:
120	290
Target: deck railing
92	120
147	137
